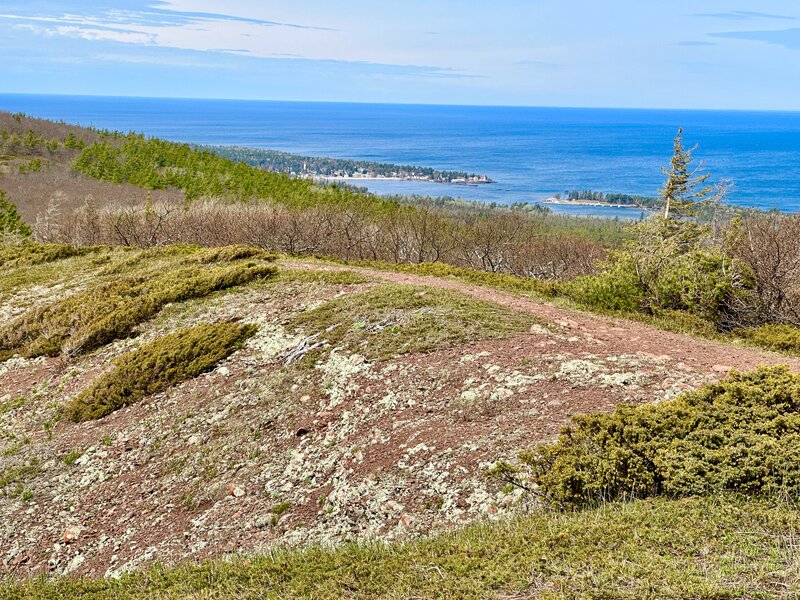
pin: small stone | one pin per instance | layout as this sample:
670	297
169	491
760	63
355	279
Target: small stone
301	432
71	534
722	368
236	491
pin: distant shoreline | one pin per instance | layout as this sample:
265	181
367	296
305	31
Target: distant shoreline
470	182
590	203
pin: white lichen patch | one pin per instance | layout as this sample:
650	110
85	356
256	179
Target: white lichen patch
338	372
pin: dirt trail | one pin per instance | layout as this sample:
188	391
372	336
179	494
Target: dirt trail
613	335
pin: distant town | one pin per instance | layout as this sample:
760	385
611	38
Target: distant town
313	167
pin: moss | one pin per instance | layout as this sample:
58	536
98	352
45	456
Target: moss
726	547
390	319
109	311
742	435
157	366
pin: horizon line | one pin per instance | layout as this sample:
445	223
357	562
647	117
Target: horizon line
438	104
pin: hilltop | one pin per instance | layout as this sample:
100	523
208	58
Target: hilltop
184	379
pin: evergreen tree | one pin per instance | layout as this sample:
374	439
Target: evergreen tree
10	221
684	188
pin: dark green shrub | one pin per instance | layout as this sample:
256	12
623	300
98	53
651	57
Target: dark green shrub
742	434
159	365
11	222
101	314
616	288
668	265
782	338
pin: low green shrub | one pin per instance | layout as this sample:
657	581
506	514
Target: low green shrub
232	253
28	253
614	289
742	434
782	338
159	365
103	313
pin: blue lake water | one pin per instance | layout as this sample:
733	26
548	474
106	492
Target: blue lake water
531	153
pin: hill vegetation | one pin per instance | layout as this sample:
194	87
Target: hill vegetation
230	360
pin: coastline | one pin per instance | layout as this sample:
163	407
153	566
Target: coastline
398	178
590	203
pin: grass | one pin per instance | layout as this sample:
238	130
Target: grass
322	277
108	311
391	319
726	547
19	474
158	365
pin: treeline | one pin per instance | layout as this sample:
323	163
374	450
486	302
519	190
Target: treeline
157	164
318	166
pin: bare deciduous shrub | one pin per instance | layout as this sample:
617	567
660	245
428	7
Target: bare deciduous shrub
509	241
769	244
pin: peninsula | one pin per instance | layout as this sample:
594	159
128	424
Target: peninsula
317	167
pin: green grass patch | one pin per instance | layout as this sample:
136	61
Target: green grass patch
12	404
729	547
71	457
391	319
322	277
19	474
157	366
109	311
741	434
497	281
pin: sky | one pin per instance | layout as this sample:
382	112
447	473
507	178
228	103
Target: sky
714	54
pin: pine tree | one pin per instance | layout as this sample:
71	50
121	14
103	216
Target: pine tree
11	222
684	187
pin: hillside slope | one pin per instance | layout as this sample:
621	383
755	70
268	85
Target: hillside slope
367	405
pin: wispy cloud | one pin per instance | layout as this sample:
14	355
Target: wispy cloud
743	15
788	38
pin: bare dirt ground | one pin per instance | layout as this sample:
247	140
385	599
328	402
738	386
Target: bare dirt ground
258	453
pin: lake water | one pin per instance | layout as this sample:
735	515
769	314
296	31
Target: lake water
531	153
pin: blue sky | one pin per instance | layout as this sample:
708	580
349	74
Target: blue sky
626	53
